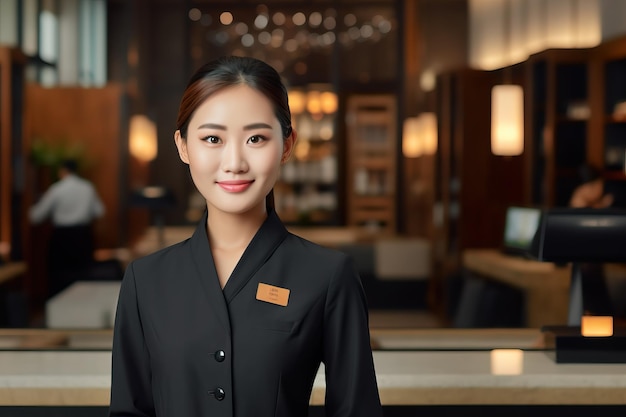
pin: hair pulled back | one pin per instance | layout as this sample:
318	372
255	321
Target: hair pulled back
230	71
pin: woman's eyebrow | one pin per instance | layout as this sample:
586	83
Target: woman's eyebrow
259	125
251	126
212	126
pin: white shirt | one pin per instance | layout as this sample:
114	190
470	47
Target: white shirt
72	201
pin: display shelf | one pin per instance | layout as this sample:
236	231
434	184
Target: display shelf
371	161
571	86
307	191
559	112
577	116
609	133
615	84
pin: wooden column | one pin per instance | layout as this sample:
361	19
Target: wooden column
11	109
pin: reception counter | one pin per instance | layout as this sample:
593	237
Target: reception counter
405	378
544	284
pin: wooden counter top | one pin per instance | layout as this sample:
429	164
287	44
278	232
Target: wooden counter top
331	236
516	271
404	378
545	285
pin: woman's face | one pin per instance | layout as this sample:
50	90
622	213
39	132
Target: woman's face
234	149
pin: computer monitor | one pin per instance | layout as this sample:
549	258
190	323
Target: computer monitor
520	227
580	236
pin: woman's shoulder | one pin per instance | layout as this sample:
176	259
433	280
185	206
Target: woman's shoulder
314	251
161	258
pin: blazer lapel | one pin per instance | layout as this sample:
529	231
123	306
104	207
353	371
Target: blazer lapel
205	266
263	244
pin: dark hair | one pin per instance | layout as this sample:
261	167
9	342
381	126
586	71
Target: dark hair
588	173
70	164
230	71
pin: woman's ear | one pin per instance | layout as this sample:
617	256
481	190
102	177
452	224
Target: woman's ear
181	144
288	145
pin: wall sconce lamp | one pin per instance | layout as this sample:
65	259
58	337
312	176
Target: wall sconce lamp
142	138
428	130
412	145
507	120
419	135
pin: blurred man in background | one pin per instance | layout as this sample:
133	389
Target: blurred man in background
72	204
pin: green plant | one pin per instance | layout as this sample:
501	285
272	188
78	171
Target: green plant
51	155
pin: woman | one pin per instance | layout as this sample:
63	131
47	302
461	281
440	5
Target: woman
236	320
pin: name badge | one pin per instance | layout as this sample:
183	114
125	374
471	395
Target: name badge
272	294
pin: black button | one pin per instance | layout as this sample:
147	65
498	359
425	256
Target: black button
220	355
218	393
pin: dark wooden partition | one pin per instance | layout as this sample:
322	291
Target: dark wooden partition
86	122
90	124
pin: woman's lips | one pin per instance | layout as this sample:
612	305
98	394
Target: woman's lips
235	186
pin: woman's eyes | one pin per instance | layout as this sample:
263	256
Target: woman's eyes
255	139
212	139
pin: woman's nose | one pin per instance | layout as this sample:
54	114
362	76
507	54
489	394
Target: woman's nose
233	158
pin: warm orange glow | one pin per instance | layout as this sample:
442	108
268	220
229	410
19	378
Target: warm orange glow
303	147
507	120
314	103
596	326
226	18
428	132
142	138
412	145
297	101
507	361
503	33
328	102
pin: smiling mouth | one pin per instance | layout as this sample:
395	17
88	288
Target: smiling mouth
235	186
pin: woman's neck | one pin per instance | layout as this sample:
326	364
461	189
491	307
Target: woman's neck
232	231
229	236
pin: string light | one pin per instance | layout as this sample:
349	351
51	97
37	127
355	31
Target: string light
296	34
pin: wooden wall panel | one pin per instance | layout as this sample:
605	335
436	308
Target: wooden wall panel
89	118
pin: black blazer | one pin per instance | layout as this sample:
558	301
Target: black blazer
184	347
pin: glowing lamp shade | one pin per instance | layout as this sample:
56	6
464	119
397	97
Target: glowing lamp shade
412	145
297	101
328	101
314	102
596	326
428	131
142	138
507	120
